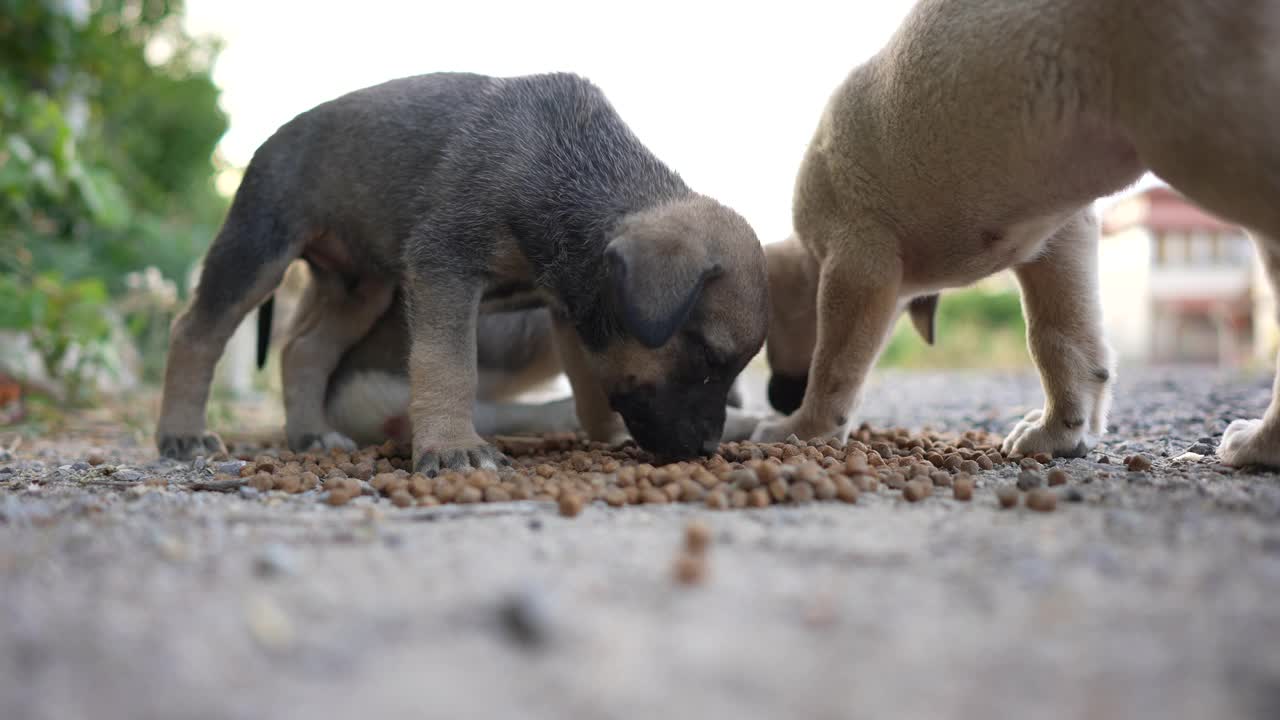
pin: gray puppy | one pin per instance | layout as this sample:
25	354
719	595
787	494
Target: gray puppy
474	191
367	398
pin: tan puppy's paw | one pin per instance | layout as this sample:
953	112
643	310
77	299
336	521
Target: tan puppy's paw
188	447
1034	434
481	456
1248	442
778	430
330	440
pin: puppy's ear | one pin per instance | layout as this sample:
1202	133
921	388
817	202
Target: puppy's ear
923	311
657	283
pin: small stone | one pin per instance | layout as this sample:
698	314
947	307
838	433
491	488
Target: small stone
275	560
1074	495
1028	479
526	617
127	475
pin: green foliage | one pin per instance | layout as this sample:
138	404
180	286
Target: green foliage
108	123
975	328
66	322
106	158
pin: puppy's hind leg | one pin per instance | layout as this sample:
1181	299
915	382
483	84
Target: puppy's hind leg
1063	309
1257	442
244	265
331	318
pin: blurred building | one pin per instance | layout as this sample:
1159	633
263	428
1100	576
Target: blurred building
1180	285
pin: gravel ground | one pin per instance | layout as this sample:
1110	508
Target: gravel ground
1151	594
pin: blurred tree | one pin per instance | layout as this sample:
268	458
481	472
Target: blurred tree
108	122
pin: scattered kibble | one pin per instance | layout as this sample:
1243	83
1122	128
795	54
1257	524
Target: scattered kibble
570	504
1138	463
690	569
1058	476
571	472
962	489
1007	496
1042	500
697	537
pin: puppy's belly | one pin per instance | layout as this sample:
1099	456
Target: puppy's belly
975	253
370	407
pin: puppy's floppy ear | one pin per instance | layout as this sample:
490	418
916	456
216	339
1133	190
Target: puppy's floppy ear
656	283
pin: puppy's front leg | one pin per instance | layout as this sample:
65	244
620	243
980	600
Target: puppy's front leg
857	303
442	373
1061	301
599	420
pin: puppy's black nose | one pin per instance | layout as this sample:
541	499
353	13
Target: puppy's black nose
710	447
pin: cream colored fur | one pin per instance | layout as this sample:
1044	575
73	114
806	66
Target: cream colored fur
977	140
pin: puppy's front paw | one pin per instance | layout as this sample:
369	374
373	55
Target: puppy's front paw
1247	442
1036	434
479	457
187	447
310	442
777	430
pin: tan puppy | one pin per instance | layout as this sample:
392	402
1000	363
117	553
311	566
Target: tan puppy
978	138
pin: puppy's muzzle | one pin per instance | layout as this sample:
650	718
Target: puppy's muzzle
674	422
786	392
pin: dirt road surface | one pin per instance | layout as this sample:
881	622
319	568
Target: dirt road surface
1144	595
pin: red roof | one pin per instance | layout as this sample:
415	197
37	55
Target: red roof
1160	209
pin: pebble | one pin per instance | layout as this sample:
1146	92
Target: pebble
230	467
127	475
275	560
1028	479
526	617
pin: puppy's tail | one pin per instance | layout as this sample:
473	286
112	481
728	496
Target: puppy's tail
922	311
265	311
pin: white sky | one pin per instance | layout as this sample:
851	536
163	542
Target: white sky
725	93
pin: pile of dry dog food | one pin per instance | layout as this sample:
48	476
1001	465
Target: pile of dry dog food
572	472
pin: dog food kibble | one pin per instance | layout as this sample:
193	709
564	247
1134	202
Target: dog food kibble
570	504
690	569
697	537
1058	476
962	489
1138	463
1042	500
915	491
563	469
1007	496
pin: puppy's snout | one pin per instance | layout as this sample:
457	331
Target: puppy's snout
675	423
